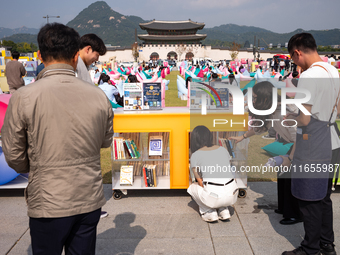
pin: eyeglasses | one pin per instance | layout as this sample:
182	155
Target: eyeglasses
292	54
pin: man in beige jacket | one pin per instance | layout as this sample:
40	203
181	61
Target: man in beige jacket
54	129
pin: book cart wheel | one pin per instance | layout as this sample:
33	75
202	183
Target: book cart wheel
117	194
242	193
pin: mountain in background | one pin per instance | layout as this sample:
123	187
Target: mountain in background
114	28
119	30
241	34
18	38
5	32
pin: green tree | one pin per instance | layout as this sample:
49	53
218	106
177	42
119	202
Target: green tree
10	44
34	47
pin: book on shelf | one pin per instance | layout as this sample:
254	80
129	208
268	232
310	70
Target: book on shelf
145	176
150	175
126	175
130	150
135	149
124	149
156	146
228	145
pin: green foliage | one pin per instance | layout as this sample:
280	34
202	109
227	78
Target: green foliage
10	43
327	48
240	34
22	47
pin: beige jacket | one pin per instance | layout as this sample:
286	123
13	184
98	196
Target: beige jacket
54	129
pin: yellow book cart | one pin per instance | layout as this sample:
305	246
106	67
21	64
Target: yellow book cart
173	125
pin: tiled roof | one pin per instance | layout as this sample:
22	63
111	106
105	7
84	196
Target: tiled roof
172	25
172	37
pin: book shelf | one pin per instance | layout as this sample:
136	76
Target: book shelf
176	123
162	163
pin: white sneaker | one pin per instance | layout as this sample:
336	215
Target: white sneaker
223	213
268	137
103	214
210	216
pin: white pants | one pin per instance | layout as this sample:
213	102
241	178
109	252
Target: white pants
213	196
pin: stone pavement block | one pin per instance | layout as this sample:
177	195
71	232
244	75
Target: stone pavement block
23	247
232	246
229	228
264	225
260	198
130	225
11	229
147	202
274	245
157	246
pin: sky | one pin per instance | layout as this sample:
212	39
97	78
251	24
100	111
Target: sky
277	16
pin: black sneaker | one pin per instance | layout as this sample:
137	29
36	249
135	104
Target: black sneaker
299	251
327	249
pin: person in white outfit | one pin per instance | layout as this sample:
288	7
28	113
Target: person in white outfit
216	188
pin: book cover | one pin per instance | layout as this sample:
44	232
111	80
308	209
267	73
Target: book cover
115	145
128	145
150	176
147	176
155	146
126	151
228	145
135	149
154	175
199	90
231	148
152	93
126	175
133	96
222	100
144	177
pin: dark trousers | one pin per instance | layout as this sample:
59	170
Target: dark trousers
77	234
287	203
318	217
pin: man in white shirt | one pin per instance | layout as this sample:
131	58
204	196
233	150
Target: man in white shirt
91	47
331	59
109	90
317	143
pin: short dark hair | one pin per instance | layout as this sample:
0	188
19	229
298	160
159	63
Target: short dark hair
214	75
132	78
264	100
200	137
58	42
303	41
15	55
105	78
95	42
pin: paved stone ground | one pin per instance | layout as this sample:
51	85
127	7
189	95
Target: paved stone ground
167	222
